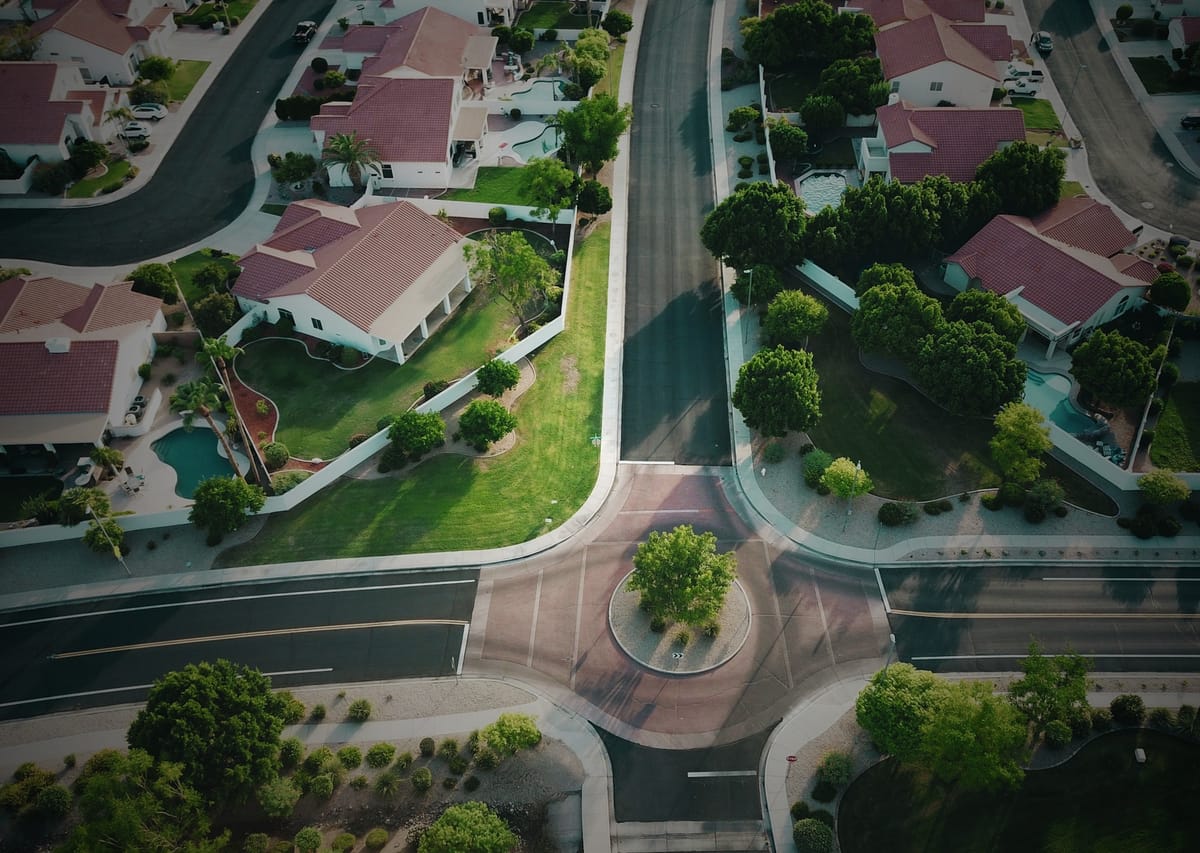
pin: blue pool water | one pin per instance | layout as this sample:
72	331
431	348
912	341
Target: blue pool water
193	454
822	191
542	145
541	90
1050	394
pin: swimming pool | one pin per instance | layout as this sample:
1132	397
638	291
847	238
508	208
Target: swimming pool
194	456
822	190
1050	394
542	145
542	90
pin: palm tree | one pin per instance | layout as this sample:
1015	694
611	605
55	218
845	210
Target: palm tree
200	397
346	149
221	354
108	457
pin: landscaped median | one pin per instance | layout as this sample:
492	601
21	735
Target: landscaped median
455	502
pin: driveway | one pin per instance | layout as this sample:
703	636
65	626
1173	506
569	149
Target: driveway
1128	161
204	182
675	403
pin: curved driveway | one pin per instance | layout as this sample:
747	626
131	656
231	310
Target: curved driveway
204	182
1128	161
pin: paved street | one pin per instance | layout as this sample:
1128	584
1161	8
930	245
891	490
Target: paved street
674	398
184	201
356	628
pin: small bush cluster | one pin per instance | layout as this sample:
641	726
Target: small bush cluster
896	514
1128	709
937	507
422	780
836	768
812	836
380	755
359	711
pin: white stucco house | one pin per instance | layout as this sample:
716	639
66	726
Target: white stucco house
367	278
45	107
929	61
1067	269
106	39
71	356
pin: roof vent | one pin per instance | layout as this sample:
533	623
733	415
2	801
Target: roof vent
57	345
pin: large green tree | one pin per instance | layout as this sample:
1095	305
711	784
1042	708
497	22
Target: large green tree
897	275
1114	368
510	733
496	376
1170	290
220	721
156	68
509	269
788	34
1052	688
1024	178
222	504
1021	438
893	317
155	279
974	739
777	391
792	316
895	705
470	827
592	130
551	186
214	313
484	422
681	576
761	223
857	84
350	152
822	113
788	142
413	433
984	306
969	369
588	58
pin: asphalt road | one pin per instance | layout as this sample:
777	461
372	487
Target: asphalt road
1126	618
182	203
1128	161
674	396
356	628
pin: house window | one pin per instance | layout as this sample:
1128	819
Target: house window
895	86
935	87
482	19
381	342
387	171
317	324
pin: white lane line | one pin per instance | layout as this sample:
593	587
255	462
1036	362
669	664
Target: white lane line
1022	656
578	615
821	609
537	604
137	687
462	650
887	605
661	511
1128	580
719	774
251	635
1034	614
230	600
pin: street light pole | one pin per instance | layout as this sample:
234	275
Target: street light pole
749	304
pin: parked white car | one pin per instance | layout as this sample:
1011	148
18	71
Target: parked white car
149	111
1021	71
135	130
1023	86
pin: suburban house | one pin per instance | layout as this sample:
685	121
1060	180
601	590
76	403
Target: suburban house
1067	269
45	107
107	39
932	60
485	13
71	356
886	13
913	142
1183	31
366	278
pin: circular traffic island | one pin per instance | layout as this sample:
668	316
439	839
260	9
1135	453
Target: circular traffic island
662	651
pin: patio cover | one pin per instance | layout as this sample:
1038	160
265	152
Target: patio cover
471	124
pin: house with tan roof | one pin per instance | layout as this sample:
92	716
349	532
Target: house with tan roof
71	356
912	142
1067	270
367	278
932	60
45	107
106	39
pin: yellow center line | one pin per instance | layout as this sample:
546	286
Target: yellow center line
253	635
936	614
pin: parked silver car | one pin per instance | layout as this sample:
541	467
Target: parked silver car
135	130
149	111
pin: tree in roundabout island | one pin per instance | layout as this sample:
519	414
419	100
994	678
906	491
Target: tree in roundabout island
470	827
220	721
846	479
777	391
681	577
761	223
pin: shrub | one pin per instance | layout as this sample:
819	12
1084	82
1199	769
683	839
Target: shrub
275	455
322	785
712	630
1156	405
812	836
594	198
470	783
450	783
745	161
823	815
428	745
1012	494
291	752
1168	526
1080	723
51	178
497	216
815	463
448	748
515	113
388	784
317	713
497	376
380	755
350	757
823	792
422	780
256	842
894	514
360	782
836	768
343	842
376	839
1185	720
308	840
359	711
144	370
1128	709
1169	374
486	759
404	760
69	760
1101	719
334	79
54	802
458	765
1162	718
683	637
1058	734
992	502
799	810
658	624
319	65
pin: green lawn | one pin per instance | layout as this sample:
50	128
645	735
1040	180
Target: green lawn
551	15
1070	189
834	154
1101	801
187	72
451	502
354	401
17	489
1177	434
494	185
1155	73
1039	113
611	82
187	266
115	176
787	91
237	9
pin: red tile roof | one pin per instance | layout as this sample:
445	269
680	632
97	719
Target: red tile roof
1086	224
958	139
97	97
429	40
927	41
26	302
407	119
90	21
39	382
27	113
111	305
357	276
1134	267
992	40
885	12
1067	283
